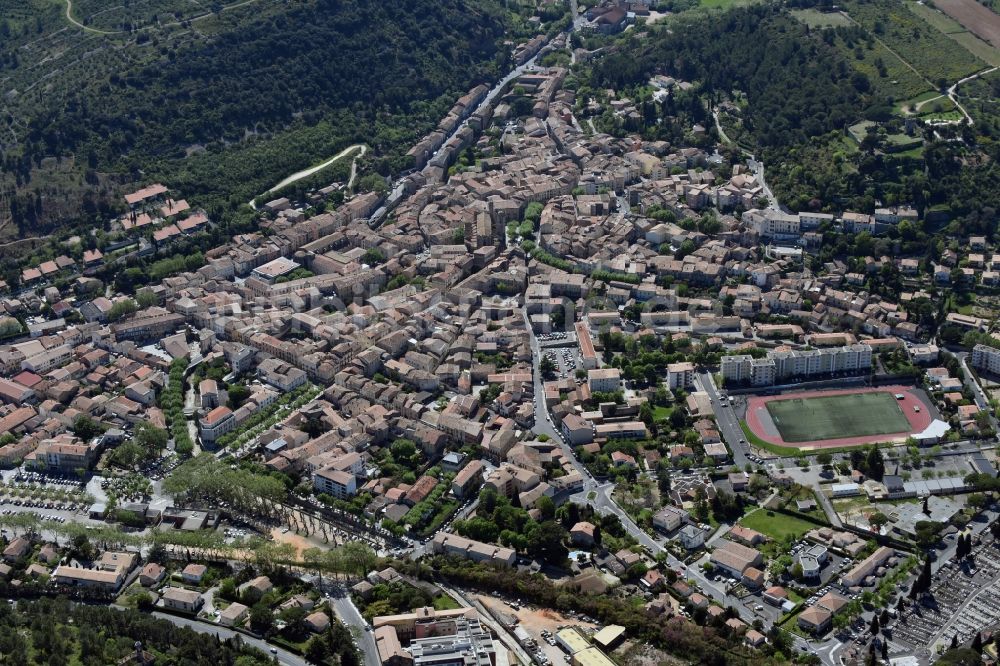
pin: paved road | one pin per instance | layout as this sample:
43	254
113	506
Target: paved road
283	656
982	400
599	495
347	612
824	501
543	423
729	423
758	170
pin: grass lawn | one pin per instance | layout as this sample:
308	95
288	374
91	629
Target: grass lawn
905	106
913	153
723	4
847	503
778	526
817	19
945	115
445	602
660	412
835	416
901	143
860	130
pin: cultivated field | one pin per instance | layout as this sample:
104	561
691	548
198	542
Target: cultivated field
957	32
898	82
829	417
114	15
930	52
978	19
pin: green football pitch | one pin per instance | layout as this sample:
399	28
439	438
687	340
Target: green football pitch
836	416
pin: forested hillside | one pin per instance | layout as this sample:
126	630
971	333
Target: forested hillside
796	86
799	90
59	633
223	107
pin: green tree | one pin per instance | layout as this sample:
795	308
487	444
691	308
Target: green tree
875	463
122	309
261	618
150	438
86	428
546	507
546	541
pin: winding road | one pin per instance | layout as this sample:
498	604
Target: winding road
954	98
305	173
282	656
69	17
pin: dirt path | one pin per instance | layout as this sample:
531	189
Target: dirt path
300	542
305	173
171	24
920	105
69	17
954	98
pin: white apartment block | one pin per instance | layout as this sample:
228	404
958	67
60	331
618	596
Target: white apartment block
779	365
336	483
680	375
807	363
762	372
986	358
217	423
604	380
776	223
736	369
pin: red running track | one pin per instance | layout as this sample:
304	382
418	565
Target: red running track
757	416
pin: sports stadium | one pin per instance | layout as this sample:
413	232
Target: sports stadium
839	418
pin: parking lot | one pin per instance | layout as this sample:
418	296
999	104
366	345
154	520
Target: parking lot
50	497
964	599
567	361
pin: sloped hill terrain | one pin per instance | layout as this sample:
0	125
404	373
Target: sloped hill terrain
219	104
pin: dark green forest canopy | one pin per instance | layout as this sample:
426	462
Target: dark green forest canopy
222	110
54	631
797	85
310	60
801	95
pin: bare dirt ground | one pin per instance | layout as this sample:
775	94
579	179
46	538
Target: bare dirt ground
978	19
302	542
536	620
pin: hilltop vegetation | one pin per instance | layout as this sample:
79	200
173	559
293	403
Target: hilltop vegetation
58	633
932	54
800	88
221	108
797	86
